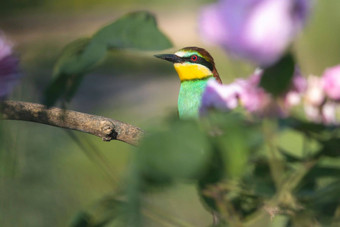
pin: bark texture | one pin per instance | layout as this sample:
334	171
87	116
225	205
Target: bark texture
105	128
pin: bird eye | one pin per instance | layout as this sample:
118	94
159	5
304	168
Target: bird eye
194	58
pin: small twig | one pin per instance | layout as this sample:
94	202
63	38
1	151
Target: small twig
225	207
272	211
105	128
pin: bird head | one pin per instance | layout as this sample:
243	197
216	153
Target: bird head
192	63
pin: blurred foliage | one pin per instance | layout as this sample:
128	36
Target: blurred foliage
276	79
252	181
135	31
240	171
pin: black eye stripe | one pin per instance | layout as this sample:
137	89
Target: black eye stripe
201	61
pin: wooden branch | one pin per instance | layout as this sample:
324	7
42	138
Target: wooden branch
105	128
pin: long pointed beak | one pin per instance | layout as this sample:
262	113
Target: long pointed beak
169	57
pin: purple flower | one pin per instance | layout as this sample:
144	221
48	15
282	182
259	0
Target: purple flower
5	47
9	72
248	94
299	82
221	97
331	82
253	98
257	30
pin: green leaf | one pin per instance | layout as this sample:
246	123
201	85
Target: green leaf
323	171
181	152
100	214
308	184
323	201
288	156
306	127
136	30
235	140
234	151
331	147
76	59
260	180
276	79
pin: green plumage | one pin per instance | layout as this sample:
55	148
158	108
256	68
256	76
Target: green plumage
189	97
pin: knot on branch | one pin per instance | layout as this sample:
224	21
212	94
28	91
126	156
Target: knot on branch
105	128
109	132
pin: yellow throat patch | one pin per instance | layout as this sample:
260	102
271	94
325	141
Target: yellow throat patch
188	71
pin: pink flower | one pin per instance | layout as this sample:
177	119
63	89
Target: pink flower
257	30
253	98
325	113
317	107
248	94
217	96
256	100
226	97
331	82
299	83
9	72
314	94
294	95
329	113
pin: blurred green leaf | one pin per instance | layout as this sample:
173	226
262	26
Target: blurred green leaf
322	171
260	181
181	152
235	150
312	129
82	220
100	214
288	156
308	184
323	202
331	147
234	142
76	59
235	139
214	174
276	79
136	30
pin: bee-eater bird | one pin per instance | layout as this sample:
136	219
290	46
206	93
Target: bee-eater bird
195	67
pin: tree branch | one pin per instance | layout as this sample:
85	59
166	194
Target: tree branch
105	128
